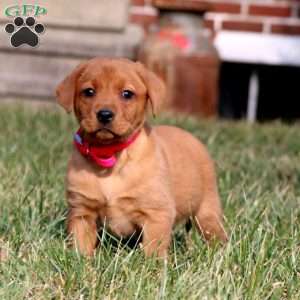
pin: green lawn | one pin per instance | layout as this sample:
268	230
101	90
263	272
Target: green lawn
259	180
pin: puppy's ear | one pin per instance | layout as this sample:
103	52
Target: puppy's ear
65	91
156	89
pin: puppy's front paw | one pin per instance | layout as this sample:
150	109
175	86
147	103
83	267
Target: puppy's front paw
83	234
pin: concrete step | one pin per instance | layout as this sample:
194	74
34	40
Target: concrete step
81	43
35	72
32	76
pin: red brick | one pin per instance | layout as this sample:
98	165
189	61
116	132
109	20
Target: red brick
200	5
285	29
242	25
143	19
225	7
139	2
270	10
193	5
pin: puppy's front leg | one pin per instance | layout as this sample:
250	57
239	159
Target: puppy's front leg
82	226
157	235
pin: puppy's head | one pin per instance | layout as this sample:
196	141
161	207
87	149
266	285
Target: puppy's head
110	96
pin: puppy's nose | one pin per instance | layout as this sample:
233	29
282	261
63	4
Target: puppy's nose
105	116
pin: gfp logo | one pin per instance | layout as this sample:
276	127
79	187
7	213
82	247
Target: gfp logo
24	29
25	10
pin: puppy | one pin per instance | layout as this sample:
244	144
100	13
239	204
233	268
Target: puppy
126	175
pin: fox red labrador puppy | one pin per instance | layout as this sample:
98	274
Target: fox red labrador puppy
124	173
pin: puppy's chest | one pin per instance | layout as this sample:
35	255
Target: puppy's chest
120	205
114	187
118	198
115	197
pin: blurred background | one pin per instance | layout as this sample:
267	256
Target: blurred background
219	58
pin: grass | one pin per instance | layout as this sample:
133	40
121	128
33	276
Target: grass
259	181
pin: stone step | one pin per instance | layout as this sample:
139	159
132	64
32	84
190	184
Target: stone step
80	43
32	76
35	72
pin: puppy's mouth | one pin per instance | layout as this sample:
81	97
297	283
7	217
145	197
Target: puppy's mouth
105	134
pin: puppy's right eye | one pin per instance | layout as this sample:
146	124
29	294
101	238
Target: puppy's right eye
89	92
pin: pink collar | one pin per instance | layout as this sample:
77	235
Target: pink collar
104	155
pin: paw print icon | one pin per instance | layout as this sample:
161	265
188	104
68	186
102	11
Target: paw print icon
24	31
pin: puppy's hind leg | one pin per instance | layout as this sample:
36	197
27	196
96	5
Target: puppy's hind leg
208	219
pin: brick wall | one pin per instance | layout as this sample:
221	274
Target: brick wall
266	16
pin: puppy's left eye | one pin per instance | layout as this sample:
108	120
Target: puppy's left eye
127	95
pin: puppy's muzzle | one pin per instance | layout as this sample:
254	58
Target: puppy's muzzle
105	116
